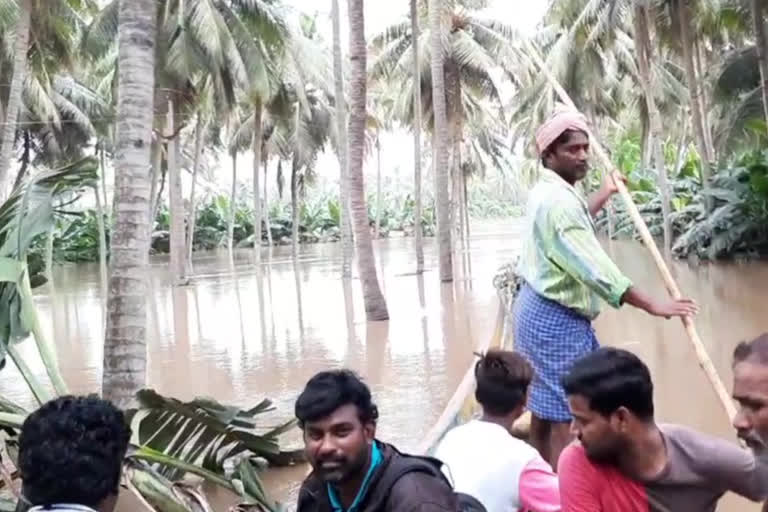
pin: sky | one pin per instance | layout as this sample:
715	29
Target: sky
380	14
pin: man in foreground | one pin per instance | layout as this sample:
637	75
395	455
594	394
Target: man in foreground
626	462
71	453
566	275
484	459
352	470
750	390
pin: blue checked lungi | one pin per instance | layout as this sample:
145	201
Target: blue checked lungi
551	336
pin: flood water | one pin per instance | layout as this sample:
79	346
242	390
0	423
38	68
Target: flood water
243	335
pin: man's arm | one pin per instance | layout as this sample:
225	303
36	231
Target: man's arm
576	250
737	469
539	489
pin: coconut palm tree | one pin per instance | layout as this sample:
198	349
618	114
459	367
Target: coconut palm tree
125	342
418	231
342	143
21	46
375	304
440	131
761	39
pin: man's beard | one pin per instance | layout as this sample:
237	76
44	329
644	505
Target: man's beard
607	455
340	468
753	441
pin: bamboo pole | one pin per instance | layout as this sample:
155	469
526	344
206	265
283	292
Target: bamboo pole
701	353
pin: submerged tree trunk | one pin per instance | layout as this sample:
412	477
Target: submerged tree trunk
267	225
694	88
258	131
125	351
176	205
157	163
103	274
440	154
761	43
345	221
15	101
192	216
377	224
418	230
645	60
375	305
295	208
232	206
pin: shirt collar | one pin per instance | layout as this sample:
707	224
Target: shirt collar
550	176
376	459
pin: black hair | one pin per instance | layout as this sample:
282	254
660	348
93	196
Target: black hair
610	378
71	450
756	349
561	139
327	391
502	380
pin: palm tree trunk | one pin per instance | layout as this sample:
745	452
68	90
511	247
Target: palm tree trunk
440	155
418	230
232	207
347	249
102	253
644	58
693	87
20	48
295	208
125	350
453	98
761	43
258	131
377	225
375	305
192	216
176	205
157	163
25	156
266	204
703	95
465	203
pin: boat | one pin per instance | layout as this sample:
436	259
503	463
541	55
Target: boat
462	405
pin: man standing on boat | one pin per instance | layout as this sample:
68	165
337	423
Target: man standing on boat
566	274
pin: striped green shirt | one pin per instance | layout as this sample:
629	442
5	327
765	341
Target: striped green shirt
562	259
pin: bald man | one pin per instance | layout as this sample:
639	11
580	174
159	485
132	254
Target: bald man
566	275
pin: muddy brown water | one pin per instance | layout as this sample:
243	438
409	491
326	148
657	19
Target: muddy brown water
217	338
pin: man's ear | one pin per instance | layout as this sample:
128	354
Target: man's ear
623	417
369	430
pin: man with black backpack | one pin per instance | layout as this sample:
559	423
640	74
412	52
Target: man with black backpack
352	470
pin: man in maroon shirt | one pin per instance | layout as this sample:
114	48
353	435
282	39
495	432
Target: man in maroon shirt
626	462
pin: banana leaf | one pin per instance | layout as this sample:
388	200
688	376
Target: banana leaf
25	215
205	432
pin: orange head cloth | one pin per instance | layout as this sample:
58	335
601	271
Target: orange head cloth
561	120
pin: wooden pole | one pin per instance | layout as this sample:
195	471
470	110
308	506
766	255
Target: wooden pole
701	353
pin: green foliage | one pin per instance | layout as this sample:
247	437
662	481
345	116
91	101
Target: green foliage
737	225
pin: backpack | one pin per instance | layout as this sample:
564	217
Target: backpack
405	464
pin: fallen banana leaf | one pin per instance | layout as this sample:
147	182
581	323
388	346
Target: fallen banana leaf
204	432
